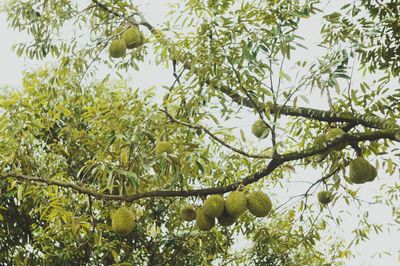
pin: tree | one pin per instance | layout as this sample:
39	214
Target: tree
76	146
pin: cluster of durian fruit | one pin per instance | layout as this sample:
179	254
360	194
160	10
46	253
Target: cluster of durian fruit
125	37
227	211
361	171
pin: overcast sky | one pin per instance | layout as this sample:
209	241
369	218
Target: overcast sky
11	68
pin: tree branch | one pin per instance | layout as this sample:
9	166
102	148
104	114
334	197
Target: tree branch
105	8
315	114
271	166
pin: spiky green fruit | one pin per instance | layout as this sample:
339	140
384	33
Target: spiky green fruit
132	37
117	48
204	222
163	146
319	140
259	129
324	197
214	206
122	221
188	213
226	220
333	133
236	203
259	204
361	171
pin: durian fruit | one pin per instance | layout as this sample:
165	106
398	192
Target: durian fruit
259	204
132	37
163	146
361	171
319	140
334	133
204	222
122	221
259	129
117	48
188	213
226	220
324	197
214	206
236	203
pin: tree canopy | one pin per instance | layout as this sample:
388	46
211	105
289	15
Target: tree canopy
79	141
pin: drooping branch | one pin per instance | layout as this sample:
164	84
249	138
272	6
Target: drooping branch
271	166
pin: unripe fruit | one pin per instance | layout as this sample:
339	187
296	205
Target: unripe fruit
204	222
226	220
361	171
214	206
236	203
117	49
319	140
324	197
259	204
132	37
122	221
334	133
188	213
259	129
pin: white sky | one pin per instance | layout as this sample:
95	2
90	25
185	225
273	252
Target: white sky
11	68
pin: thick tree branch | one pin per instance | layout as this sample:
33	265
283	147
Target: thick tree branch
320	115
271	166
346	138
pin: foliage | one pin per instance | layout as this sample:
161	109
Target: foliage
77	144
